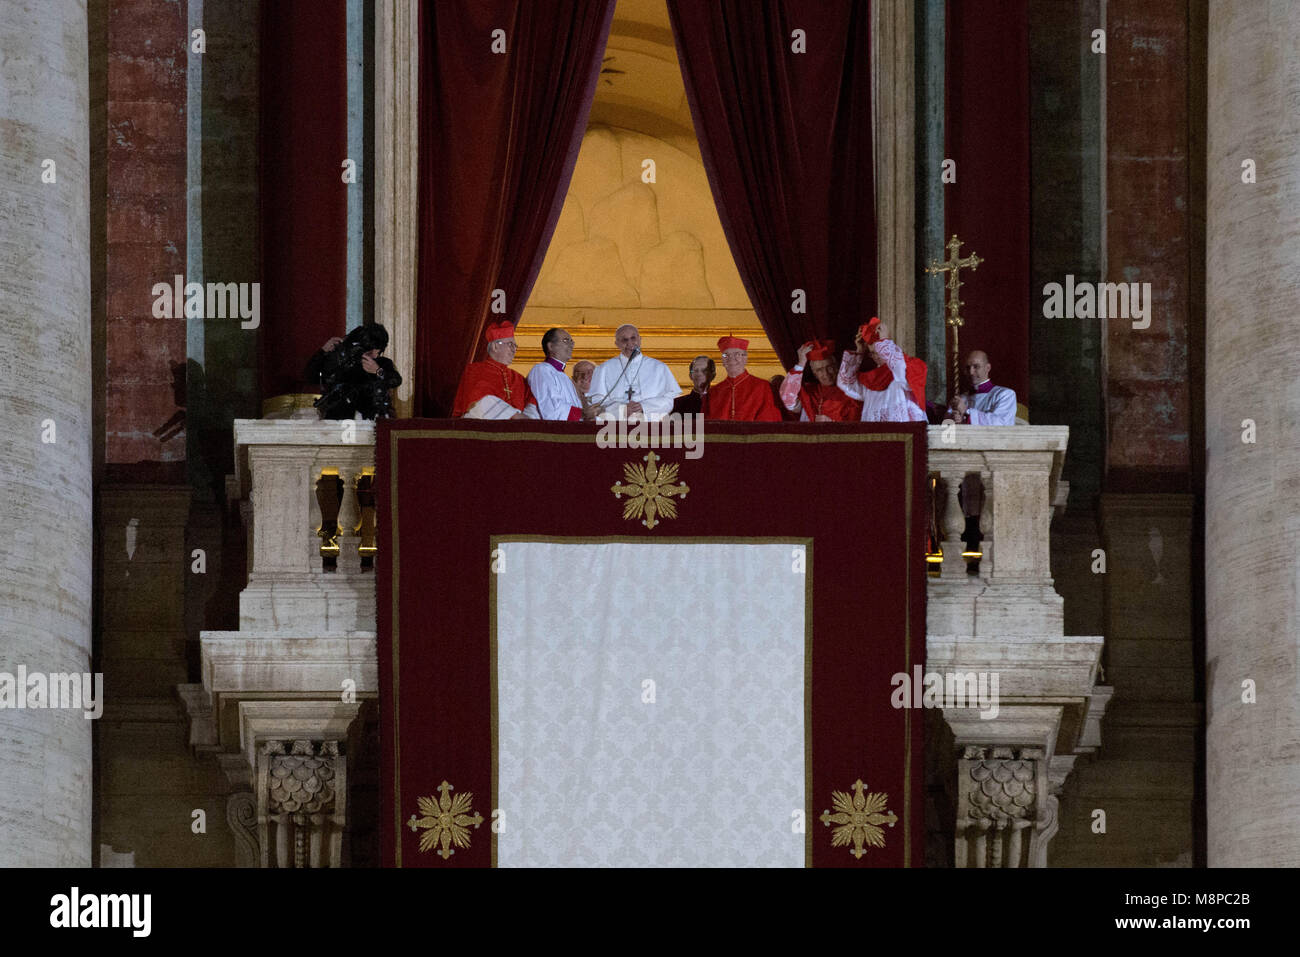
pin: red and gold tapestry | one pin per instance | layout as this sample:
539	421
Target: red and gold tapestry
845	500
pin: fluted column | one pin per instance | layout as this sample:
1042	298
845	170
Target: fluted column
1253	467
45	446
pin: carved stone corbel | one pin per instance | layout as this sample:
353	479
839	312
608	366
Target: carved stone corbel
1002	799
301	803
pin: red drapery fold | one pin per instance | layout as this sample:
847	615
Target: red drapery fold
304	201
987	133
786	141
499	135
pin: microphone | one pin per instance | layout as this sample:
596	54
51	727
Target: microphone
635	352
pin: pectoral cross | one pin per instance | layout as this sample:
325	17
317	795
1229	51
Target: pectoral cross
505	385
951	266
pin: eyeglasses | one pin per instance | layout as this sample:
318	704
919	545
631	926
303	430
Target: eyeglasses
734	355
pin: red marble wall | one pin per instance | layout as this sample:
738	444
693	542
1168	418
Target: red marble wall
146	221
1150	203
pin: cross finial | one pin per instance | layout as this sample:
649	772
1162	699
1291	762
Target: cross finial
952	266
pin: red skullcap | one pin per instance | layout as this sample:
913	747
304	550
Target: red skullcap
821	349
870	331
500	330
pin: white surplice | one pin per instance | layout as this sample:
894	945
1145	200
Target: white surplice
997	406
556	395
893	404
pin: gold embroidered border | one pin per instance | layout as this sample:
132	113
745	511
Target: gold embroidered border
906	438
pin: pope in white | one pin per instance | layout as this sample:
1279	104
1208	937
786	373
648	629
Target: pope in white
556	395
632	383
989	404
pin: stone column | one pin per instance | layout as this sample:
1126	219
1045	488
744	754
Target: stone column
1252	480
45	403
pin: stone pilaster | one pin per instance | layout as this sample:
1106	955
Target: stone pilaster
893	31
396	183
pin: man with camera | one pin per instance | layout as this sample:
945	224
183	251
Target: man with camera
354	377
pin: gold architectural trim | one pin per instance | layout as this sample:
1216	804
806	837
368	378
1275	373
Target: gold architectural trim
282	406
590	330
670	344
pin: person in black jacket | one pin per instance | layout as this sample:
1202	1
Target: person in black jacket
702	372
354	376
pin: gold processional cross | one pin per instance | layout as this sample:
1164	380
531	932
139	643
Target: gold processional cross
951	265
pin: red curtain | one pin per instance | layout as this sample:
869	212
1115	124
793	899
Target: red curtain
786	141
303	134
987	133
499	135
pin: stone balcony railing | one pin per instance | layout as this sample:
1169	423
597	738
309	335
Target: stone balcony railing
1008	621
280	696
306	488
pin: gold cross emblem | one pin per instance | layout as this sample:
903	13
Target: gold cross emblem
447	821
648	489
859	818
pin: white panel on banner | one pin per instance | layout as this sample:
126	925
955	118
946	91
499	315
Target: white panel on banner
650	704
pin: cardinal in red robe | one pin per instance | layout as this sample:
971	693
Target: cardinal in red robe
491	389
740	397
820	400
